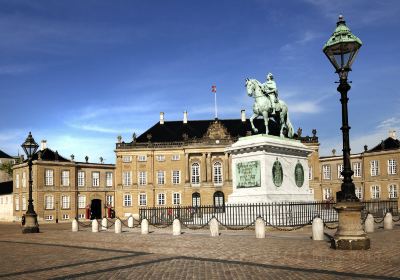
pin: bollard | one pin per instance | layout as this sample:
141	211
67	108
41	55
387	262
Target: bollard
387	221
214	227
118	226
95	226
318	229
130	222
176	227
75	226
104	224
369	224
144	226
260	228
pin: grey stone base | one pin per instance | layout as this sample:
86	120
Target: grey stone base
30	229
349	244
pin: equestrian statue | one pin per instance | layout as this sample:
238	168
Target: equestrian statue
268	105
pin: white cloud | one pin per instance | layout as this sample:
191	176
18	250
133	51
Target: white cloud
390	123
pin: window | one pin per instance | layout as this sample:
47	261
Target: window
160	158
127	159
142	199
327	194
48	217
127	200
16	203
17	181
310	173
326	172
375	192
109	179
81	178
374	168
65	202
392	167
357	169
195	173
359	192
161	199
110	200
217	172
49	177
176	198
339	171
175	157
126	178
393	193
49	202
81	201
81	216
65	178
176	177
65	217
96	179
24	179
161	177
23	203
142	158
142	178
219	199
196	199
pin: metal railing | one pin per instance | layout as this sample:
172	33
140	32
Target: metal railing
281	214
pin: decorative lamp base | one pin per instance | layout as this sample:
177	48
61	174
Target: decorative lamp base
350	234
31	224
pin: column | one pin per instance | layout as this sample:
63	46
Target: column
187	168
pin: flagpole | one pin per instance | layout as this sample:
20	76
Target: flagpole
214	90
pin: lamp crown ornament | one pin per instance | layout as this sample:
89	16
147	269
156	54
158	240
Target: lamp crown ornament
30	146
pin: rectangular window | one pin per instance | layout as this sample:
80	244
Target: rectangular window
327	194
176	177
16	203
65	202
310	173
393	192
49	202
23	203
374	168
161	199
375	192
81	201
217	173
110	200
81	178
96	179
142	199
81	216
161	177
160	158
359	192
176	198
65	217
127	159
65	178
339	171
142	158
49	177
48	217
392	167
326	172
357	169
142	178
126	178
175	157
127	200
195	173
109	179
17	181
24	179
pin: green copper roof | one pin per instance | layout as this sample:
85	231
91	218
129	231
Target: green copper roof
342	34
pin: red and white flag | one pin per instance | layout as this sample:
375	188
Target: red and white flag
213	88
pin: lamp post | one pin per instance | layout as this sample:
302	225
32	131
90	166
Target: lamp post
341	50
31	224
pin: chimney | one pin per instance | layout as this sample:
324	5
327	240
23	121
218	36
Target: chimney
161	117
365	148
392	134
119	139
243	115
185	117
333	152
43	145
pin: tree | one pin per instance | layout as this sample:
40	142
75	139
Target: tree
7	168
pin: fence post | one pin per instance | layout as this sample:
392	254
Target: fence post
176	227
214	227
369	223
118	226
144	226
130	222
260	228
75	226
318	229
95	226
387	221
104	224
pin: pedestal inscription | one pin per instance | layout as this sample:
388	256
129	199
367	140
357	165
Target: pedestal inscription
248	174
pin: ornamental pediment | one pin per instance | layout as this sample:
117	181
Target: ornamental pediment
216	131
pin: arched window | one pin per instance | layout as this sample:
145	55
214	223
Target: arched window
217	173
195	174
219	201
196	199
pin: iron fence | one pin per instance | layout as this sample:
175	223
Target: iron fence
280	214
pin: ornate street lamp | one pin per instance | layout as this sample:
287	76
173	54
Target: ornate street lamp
31	225
341	50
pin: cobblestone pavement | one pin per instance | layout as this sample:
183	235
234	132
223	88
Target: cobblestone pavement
58	253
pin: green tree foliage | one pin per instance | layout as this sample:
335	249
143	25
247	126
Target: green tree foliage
7	167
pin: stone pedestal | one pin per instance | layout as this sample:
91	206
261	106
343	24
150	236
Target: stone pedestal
350	234
31	224
268	168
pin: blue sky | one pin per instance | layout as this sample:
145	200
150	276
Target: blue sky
79	73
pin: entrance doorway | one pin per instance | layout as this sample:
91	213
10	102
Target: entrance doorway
95	209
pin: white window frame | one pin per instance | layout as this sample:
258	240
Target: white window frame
176	198
161	199
310	173
160	158
65	178
393	190
81	178
49	202
81	216
127	202
340	168
160	177
24	179
17	181
195	174
217	173
142	178
110	200
16	203
176	157
49	177
176	177
109	179
65	216
375	192
326	193
374	167
127	178
357	169
392	167
142	158
65	202
326	172
48	217
142	199
81	201
96	179
359	192
23	203
126	159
